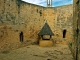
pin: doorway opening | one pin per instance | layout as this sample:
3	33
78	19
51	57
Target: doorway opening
21	37
64	33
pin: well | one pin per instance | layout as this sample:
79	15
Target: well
45	36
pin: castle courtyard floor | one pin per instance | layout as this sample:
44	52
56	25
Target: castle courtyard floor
35	52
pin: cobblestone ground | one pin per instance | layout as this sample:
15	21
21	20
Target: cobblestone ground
35	52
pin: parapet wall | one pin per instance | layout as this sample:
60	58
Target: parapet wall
17	16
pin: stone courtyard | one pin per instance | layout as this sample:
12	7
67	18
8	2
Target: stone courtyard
21	22
35	52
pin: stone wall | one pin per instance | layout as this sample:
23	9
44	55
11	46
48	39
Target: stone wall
64	21
76	29
18	16
60	19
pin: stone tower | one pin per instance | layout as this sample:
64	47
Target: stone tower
49	3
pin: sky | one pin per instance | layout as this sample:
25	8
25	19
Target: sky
54	2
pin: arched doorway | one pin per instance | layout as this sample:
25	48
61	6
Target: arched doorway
64	33
21	37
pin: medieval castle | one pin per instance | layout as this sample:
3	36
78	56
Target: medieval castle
23	23
17	16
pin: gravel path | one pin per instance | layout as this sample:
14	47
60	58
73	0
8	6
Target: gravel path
35	52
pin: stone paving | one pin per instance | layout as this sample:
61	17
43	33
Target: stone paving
35	52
